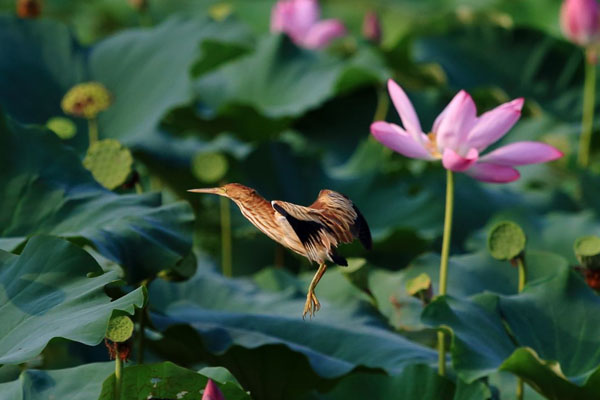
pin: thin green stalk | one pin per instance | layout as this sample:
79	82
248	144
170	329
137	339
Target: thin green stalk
118	376
93	130
522	274
383	104
138	188
522	278
444	263
226	237
589	94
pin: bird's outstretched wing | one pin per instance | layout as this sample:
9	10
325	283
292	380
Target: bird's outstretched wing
330	220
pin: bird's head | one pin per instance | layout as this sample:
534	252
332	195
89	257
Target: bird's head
234	191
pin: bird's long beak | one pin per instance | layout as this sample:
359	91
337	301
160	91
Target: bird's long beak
217	190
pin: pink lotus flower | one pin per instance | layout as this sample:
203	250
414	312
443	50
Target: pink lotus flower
580	21
459	137
300	20
212	392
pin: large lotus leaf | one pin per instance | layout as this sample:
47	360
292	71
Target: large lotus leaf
154	77
568	314
45	293
80	383
45	189
235	312
552	326
418	382
468	275
524	63
40	61
480	342
166	381
281	72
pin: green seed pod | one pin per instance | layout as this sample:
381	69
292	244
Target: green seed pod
63	127
86	100
506	241
120	328
109	162
587	251
209	167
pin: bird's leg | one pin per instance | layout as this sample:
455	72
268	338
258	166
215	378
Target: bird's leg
312	305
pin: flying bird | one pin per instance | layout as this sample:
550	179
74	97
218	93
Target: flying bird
313	232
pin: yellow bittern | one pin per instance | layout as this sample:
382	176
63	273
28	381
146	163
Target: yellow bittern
313	232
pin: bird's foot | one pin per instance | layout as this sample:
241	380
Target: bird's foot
312	305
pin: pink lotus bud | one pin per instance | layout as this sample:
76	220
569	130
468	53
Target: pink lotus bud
212	392
300	20
580	21
371	28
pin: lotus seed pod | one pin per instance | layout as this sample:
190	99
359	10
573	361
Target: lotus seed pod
109	162
29	8
86	100
587	251
120	328
506	241
63	127
209	167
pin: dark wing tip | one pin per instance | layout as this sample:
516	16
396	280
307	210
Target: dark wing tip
361	230
339	260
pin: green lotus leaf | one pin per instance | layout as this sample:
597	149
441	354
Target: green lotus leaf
46	294
145	85
167	381
543	335
282	72
471	274
45	189
235	313
416	382
80	383
543	57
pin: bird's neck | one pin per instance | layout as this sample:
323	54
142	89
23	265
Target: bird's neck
259	212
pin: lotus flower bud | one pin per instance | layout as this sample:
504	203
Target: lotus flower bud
29	8
86	100
212	392
371	28
580	21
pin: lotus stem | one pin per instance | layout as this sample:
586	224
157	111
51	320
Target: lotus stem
444	263
93	130
383	104
226	264
522	278
522	273
118	376
589	94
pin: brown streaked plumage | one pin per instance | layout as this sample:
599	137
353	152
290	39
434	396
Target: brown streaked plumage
313	232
